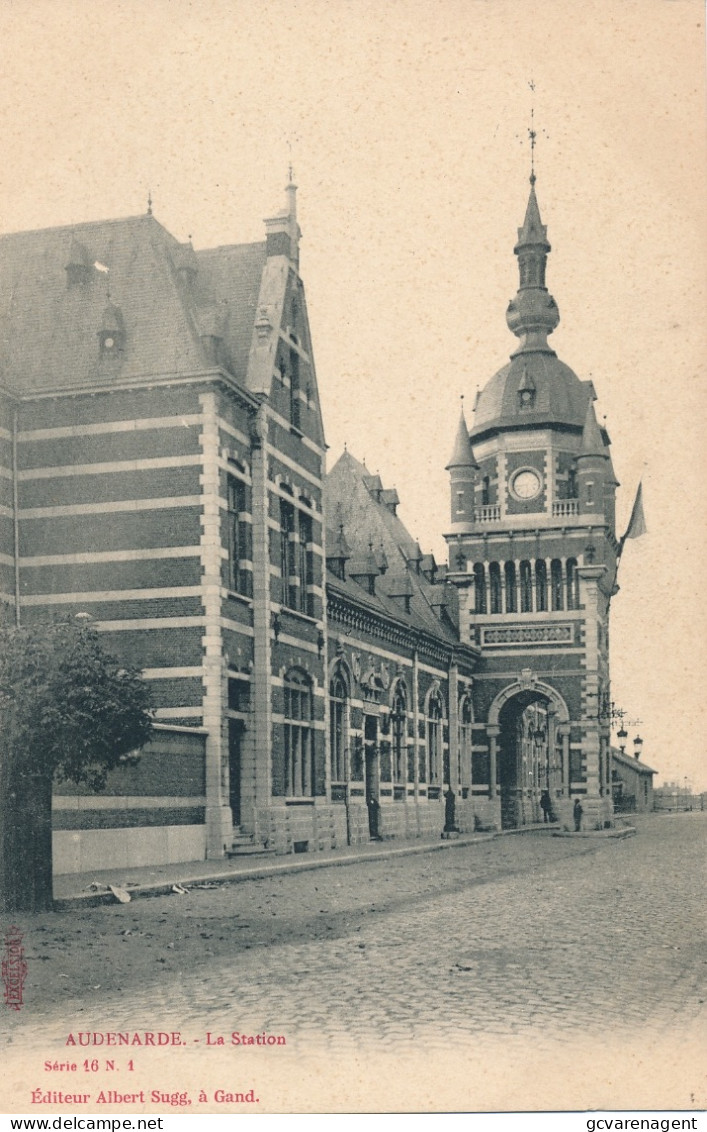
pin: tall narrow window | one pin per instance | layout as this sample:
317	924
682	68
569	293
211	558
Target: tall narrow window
399	726
480	587
296	557
287	554
556	584
305	570
338	726
495	587
526	588
572	584
540	585
511	600
485	491
295	403
434	738
240	578
299	736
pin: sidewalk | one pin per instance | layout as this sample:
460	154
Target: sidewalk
90	889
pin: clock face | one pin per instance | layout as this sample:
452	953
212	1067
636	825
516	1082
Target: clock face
526	484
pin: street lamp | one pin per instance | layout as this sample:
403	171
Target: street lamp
637	745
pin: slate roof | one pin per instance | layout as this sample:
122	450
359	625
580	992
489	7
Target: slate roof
367	522
630	762
560	397
49	325
233	274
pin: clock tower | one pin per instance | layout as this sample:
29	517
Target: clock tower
532	551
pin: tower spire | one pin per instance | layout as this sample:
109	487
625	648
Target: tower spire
533	314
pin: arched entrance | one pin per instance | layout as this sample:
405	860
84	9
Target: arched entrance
529	751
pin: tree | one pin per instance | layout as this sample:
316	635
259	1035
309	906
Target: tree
70	711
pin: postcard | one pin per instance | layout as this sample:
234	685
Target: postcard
420	825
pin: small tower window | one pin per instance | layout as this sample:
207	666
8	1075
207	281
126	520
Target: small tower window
526	588
495	587
511	601
572	483
556	584
572	584
540	585
480	587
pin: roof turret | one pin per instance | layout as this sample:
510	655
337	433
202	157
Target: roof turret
592	439
463	455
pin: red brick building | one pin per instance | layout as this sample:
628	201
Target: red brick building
162	469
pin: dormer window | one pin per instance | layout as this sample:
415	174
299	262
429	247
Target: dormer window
526	390
111	336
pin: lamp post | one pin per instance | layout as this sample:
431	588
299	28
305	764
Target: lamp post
539	737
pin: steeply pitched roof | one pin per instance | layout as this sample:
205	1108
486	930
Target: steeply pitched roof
232	275
462	456
533	230
370	523
50	317
592	439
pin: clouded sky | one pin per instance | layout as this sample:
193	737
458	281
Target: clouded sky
407	126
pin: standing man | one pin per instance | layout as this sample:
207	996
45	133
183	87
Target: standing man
578	811
546	805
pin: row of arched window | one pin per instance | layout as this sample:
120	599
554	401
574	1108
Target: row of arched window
394	740
526	587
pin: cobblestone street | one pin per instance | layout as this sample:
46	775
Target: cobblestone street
527	971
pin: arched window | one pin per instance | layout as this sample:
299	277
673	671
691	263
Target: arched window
495	587
526	587
510	572
540	585
465	741
398	719
556	584
299	735
435	712
480	587
338	727
572	584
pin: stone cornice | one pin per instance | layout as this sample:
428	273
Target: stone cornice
344	610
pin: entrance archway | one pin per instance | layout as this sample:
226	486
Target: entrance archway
531	716
523	758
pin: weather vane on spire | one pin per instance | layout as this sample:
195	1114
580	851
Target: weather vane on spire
532	132
290	170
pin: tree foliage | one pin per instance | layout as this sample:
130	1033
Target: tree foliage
71	710
68	710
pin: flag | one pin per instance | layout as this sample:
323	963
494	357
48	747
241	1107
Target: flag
637	523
